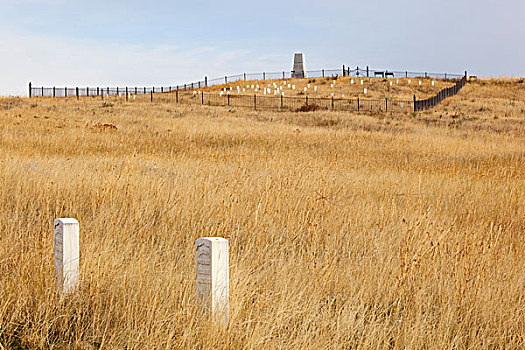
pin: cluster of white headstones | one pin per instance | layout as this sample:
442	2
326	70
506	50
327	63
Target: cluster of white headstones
211	267
278	89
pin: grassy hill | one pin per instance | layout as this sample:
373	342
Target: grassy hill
346	230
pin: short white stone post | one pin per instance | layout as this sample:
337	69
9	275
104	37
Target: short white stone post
211	267
66	254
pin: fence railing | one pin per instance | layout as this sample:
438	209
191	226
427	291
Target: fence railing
420	105
280	102
268	102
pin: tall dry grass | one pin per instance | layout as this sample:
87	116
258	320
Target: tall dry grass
346	231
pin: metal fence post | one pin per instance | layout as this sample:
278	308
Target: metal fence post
283	75
386	104
323	72
367	72
244	74
126	94
225	80
30	90
415	109
228	99
176	96
42	91
65	91
77	92
332	103
358	105
202	98
281	101
264	75
255	101
54	92
205	81
344	70
151	96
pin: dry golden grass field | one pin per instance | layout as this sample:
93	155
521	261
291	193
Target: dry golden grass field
346	230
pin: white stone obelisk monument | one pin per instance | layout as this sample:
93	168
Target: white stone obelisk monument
299	70
66	254
211	259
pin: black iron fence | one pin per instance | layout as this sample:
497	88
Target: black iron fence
180	94
293	103
421	105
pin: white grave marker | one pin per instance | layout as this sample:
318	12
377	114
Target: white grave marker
433	82
420	83
315	88
409	81
293	87
351	81
365	91
361	82
66	254
212	276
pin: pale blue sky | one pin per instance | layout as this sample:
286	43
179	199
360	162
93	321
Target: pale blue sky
91	42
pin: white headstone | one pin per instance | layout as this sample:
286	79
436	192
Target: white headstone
361	82
299	70
420	83
293	87
433	82
212	276
66	254
331	85
365	91
305	89
409	81
315	88
351	81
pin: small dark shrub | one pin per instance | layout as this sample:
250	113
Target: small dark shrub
309	107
